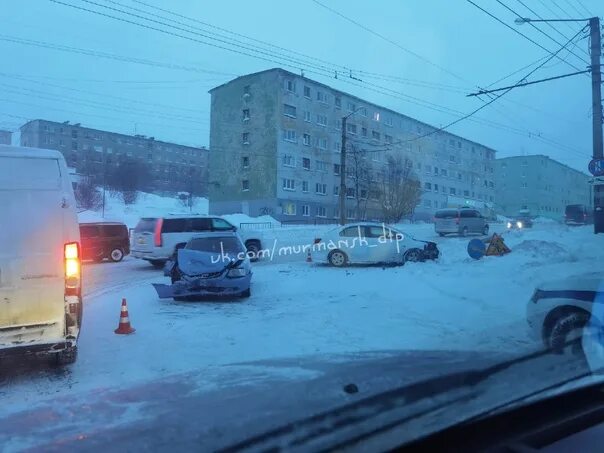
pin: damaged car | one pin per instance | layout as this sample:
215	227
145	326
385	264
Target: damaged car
208	265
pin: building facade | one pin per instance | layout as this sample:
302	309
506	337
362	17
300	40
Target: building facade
91	152
5	137
540	184
275	140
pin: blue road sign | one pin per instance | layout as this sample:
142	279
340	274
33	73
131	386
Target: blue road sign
596	167
476	249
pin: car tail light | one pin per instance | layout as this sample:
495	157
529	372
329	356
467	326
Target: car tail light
157	234
73	267
317	240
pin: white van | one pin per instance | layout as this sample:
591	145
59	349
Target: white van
40	267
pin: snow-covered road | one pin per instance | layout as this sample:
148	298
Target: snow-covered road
299	308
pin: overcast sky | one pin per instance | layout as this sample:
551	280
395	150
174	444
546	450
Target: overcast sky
439	51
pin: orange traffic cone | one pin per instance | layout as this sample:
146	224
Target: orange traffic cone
124	327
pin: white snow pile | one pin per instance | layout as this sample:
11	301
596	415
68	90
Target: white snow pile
548	251
544	220
260	222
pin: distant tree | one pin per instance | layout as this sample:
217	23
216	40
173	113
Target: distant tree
129	177
399	189
88	196
359	171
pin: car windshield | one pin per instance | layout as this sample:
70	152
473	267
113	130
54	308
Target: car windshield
216	245
277	210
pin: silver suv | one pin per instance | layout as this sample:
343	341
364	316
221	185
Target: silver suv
461	221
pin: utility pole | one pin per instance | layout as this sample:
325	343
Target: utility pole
596	102
104	173
343	174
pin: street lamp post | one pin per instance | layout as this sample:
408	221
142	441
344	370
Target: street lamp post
342	198
596	102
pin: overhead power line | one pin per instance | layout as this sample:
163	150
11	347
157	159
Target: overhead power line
555	14
589	14
520	34
523	84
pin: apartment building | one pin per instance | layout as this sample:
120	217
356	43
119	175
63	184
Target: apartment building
5	137
540	184
93	152
276	139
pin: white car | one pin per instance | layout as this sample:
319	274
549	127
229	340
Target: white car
155	238
369	243
559	313
40	255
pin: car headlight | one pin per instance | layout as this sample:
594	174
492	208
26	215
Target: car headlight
237	272
509	224
519	224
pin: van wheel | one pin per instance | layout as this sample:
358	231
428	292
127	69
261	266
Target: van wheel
253	247
116	255
157	264
464	232
66	356
441	234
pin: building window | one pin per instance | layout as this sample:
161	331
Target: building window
350	192
245	185
443	172
289	160
307	92
336	169
427	203
245	138
376	116
246	114
304	186
307	116
322	97
443	189
435	187
305	207
363	132
290	86
246	89
375	135
524	185
289	135
363	194
491	184
337	147
459	176
74	133
435	171
289	110
74	145
336	190
466	193
306	139
322	120
338	102
245	161
388	138
289	208
321	189
389	121
428	168
321	211
323	143
350	214
321	165
451	158
306	163
288	184
427	186
351	128
452	190
351	107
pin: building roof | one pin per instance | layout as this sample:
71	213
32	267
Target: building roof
364	101
541	156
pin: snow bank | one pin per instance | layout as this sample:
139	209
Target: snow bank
146	205
544	220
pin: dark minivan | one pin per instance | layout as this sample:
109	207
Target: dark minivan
102	240
578	214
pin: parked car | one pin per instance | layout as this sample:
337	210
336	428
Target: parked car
559	311
209	264
101	240
522	220
40	281
578	214
370	243
460	221
155	238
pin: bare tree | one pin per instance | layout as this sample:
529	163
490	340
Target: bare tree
359	170
400	190
129	177
88	196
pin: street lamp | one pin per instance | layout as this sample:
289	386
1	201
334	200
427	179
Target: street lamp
596	103
342	197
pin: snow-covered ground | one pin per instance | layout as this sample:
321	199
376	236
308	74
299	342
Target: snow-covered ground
299	308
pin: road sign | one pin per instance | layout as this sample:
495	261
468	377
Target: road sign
476	248
596	167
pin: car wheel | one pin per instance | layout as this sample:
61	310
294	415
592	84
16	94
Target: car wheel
464	232
337	258
485	230
116	255
157	264
246	293
441	234
66	356
412	256
253	248
566	332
